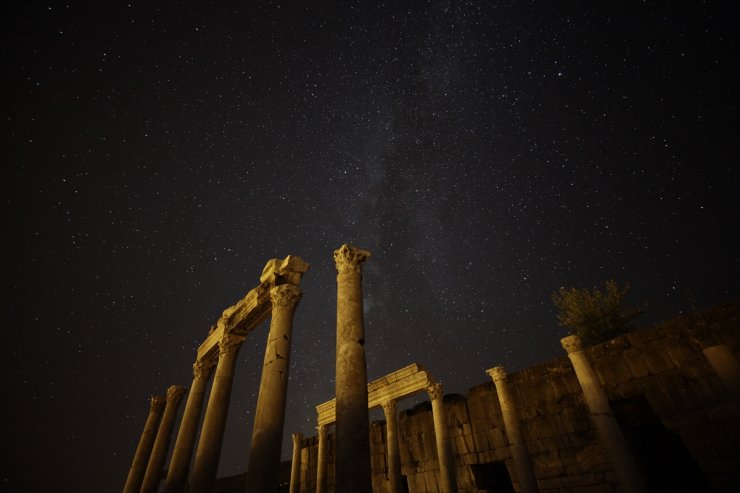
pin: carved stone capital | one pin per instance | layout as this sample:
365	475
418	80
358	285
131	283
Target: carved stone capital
390	408
175	393
435	391
349	258
497	373
572	344
229	345
286	295
297	439
157	403
202	369
322	429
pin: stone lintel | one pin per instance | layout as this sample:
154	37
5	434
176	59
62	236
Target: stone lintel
397	385
246	314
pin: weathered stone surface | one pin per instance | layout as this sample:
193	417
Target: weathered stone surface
670	375
352	429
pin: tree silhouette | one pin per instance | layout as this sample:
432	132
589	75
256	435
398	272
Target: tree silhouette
595	315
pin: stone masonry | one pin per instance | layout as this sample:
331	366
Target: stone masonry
679	416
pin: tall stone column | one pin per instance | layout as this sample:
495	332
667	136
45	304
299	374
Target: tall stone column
153	474
183	451
446	467
519	451
604	421
295	464
263	469
144	449
321	461
205	467
352	429
390	409
724	363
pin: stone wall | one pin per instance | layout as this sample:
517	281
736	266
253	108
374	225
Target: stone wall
680	420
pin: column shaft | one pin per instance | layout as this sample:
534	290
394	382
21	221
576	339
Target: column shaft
153	474
205	466
182	454
144	449
263	469
446	467
321	461
391	437
295	464
604	421
724	363
519	451
352	429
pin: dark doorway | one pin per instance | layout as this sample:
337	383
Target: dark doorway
663	459
405	484
493	477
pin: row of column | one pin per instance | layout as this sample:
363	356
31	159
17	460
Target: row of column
264	463
607	428
390	409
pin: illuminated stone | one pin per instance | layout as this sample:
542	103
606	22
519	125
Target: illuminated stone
352	430
263	469
144	449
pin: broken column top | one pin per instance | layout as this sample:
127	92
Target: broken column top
286	271
248	312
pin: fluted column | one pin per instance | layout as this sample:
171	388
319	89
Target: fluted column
604	421
205	467
144	449
519	451
321	461
446	467
390	409
154	469
352	429
263	469
183	452
724	363
295	464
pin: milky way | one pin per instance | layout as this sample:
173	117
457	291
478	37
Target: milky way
156	157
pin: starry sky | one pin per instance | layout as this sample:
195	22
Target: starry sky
158	154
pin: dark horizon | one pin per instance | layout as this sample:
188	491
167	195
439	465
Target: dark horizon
485	154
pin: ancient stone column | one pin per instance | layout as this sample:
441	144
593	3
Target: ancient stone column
390	409
604	421
321	461
154	469
295	464
144	449
205	466
263	469
446	467
183	452
352	428
724	363
519	452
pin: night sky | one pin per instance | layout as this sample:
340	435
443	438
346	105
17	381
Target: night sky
156	157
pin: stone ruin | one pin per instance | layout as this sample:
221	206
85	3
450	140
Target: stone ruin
653	410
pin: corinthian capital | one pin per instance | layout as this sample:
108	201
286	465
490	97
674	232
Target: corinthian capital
497	373
229	345
349	258
286	295
175	393
435	391
202	368
157	403
390	407
571	344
